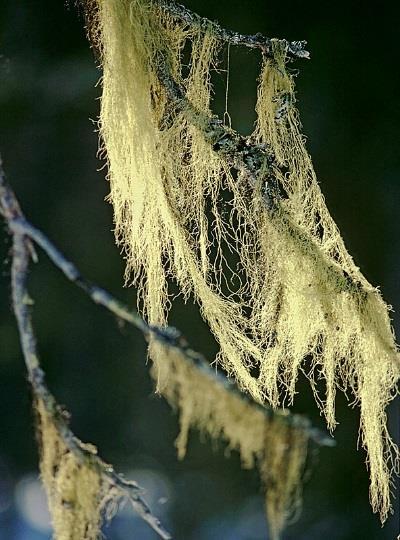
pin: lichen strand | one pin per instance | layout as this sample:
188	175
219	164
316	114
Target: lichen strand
347	332
277	450
281	470
161	172
185	209
75	491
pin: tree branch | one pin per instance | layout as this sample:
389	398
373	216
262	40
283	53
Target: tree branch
294	49
21	254
254	161
168	336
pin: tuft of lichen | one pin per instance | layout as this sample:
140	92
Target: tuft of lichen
268	444
75	490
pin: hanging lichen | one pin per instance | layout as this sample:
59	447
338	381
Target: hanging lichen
75	491
295	295
346	332
269	444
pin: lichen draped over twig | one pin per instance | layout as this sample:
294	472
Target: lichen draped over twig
82	489
75	490
276	449
295	297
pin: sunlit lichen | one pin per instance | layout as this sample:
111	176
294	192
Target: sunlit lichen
295	293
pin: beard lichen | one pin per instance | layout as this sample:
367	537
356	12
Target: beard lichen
325	309
75	491
299	297
268	444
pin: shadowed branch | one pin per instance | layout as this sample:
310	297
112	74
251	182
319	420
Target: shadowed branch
22	252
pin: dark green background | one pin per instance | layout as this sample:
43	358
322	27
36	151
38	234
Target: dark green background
348	99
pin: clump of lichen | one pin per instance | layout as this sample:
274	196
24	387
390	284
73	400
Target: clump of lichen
75	490
267	443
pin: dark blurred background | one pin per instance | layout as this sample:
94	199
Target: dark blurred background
348	99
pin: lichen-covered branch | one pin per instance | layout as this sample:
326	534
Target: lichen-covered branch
294	49
256	164
171	161
187	190
167	336
253	161
84	454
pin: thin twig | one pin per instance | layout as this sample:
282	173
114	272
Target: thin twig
295	49
21	255
168	336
